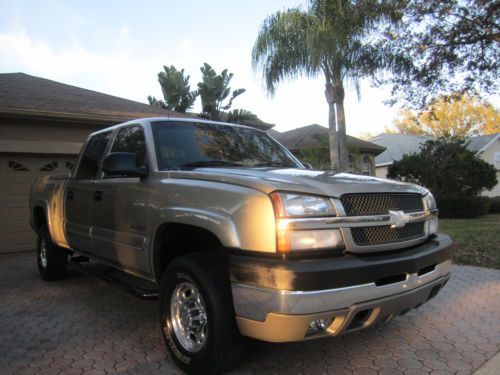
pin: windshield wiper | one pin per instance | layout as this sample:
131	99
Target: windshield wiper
211	163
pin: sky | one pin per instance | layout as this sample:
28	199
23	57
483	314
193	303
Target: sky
118	48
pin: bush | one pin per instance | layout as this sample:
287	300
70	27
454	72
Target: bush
454	174
464	206
495	205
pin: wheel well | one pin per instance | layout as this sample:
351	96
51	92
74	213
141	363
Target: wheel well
173	240
39	218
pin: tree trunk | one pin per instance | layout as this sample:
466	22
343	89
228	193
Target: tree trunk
332	125
343	153
338	94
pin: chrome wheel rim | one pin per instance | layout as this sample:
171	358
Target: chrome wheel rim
189	316
43	253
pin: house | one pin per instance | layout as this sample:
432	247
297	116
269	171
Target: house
487	147
361	153
43	125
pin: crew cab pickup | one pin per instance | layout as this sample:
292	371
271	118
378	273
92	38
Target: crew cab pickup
239	237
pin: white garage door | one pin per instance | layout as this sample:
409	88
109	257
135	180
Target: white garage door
17	173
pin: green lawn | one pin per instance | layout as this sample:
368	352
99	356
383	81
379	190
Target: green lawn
477	240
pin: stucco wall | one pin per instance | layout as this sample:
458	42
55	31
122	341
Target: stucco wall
24	129
489	156
381	171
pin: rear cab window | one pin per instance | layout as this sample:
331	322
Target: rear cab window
92	156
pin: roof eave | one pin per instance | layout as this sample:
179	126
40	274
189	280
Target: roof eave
83	118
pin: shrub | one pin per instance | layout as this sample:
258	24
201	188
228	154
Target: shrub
495	205
454	174
463	206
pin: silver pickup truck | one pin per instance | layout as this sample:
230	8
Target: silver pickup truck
239	237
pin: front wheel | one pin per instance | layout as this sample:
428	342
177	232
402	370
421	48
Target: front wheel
197	316
52	261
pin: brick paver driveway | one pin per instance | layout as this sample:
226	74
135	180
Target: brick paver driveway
81	325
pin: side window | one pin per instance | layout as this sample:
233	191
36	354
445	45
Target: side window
131	139
92	155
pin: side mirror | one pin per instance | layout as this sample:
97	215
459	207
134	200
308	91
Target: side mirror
307	165
123	164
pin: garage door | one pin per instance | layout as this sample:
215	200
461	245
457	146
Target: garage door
17	173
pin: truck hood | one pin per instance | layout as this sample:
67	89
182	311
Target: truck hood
300	180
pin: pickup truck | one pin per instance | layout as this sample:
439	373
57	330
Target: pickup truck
240	238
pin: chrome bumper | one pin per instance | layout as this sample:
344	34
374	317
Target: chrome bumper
255	303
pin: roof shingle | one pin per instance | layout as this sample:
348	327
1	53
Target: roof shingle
306	136
398	145
25	94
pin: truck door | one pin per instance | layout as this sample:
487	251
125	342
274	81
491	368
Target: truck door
79	194
119	214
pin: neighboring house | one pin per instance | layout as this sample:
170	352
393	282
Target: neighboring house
487	147
361	153
43	124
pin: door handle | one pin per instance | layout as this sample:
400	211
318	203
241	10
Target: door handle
69	195
98	195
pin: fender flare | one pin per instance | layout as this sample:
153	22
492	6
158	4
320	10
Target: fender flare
218	223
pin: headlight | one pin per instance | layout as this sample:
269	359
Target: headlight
432	223
300	205
430	202
289	206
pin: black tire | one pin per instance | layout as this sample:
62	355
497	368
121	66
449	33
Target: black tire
223	344
52	260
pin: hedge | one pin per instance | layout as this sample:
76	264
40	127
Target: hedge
463	206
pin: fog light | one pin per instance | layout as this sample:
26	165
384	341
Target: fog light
319	326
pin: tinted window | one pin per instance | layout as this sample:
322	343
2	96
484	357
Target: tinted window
131	140
188	145
89	164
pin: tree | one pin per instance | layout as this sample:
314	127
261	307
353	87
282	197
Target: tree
451	116
156	102
176	90
214	89
443	46
243	116
454	174
317	156
329	39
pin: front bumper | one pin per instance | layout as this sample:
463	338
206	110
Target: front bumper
391	285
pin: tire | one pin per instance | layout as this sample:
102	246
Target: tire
52	260
220	347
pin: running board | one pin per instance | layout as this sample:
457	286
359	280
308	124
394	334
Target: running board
112	276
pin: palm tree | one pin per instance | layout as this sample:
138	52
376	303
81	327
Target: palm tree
329	38
243	116
176	90
214	89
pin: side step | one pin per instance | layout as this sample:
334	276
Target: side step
136	285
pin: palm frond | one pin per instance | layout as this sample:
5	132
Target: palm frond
281	48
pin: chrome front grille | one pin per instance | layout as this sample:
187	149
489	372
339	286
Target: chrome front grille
377	204
365	236
380	204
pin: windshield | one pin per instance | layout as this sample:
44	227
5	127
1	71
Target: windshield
187	145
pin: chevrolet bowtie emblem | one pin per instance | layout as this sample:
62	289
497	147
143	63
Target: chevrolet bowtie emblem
398	219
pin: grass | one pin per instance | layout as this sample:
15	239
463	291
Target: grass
477	240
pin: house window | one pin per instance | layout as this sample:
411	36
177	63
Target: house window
367	166
17	167
49	167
